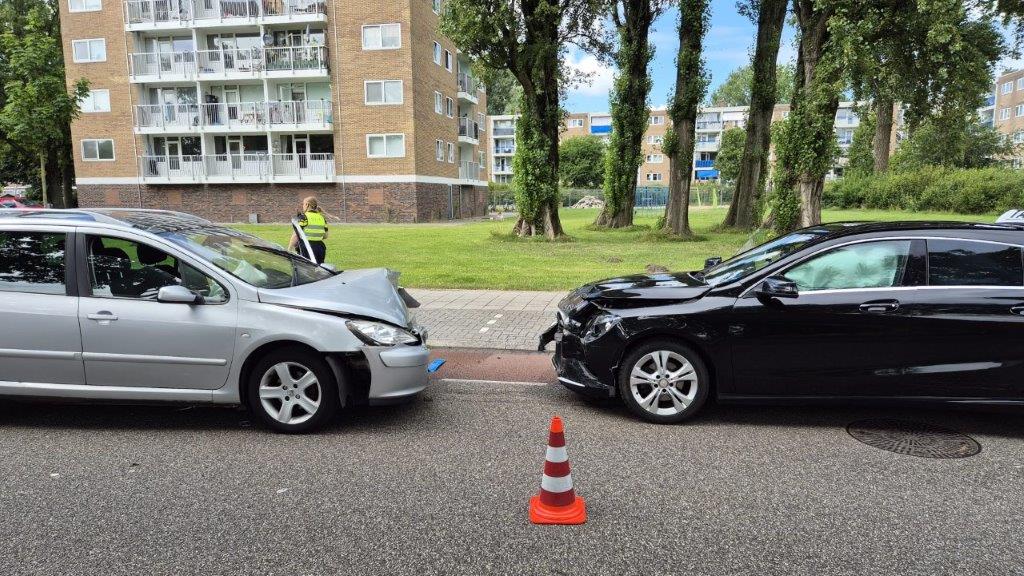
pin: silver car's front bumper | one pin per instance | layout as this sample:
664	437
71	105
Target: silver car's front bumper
396	373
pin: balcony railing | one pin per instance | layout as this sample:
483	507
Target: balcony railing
704	163
504	149
296	58
225	61
163	64
234	115
707	145
468	84
709	125
469	171
258	167
230	61
504	131
185	11
469	128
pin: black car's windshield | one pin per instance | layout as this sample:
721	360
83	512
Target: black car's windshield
746	263
248	258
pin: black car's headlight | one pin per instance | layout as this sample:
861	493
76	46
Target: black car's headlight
601	325
380	334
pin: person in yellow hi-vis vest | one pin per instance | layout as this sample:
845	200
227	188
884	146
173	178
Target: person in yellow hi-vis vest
314	225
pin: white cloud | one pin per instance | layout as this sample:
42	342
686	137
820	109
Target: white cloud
592	77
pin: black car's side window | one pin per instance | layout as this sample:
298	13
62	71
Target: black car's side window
967	263
32	262
881	264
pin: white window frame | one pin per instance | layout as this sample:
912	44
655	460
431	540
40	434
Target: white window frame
1018	110
385	137
88	102
439	150
654	177
438	53
88	42
113	150
655	158
448	60
435	5
383	93
449	107
657	120
1020	83
72	9
438	102
1007	87
1004	113
362	38
575	122
451	153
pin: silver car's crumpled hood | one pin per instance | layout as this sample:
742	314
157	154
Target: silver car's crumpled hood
370	292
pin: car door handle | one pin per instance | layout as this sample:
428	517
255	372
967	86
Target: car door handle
102	316
880	306
1018	309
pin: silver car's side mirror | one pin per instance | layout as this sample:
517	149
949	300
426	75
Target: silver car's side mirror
178	295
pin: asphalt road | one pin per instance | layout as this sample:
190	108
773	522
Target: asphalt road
441	486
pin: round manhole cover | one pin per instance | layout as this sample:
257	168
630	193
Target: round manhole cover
914	438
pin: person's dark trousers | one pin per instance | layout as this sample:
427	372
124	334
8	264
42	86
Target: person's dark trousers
319	251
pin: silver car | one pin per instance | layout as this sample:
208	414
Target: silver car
144	305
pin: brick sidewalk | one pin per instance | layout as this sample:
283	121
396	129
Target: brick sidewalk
496	319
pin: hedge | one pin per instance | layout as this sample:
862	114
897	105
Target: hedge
973	191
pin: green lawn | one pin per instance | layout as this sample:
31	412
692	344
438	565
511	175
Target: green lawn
483	255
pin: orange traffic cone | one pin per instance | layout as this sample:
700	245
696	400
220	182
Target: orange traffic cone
557	502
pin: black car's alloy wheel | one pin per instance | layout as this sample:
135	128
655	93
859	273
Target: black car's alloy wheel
663	381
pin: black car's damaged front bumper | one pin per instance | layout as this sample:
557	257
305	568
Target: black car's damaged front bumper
570	363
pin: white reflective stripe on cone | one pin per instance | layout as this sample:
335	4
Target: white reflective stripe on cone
556	454
563	484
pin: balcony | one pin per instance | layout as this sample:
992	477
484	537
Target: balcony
469	171
504	131
709	126
504	150
502	168
468	87
229	63
245	168
708	146
469	131
169	14
307	116
704	163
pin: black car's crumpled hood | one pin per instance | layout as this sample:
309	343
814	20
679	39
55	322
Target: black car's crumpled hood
674	286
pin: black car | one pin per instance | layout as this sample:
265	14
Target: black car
920	311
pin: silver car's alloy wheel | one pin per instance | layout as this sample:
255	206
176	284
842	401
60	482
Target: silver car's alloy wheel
663	382
290	393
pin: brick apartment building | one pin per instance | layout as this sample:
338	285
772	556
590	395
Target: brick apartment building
229	108
711	123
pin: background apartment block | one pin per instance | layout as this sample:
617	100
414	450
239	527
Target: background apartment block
1006	112
227	108
711	123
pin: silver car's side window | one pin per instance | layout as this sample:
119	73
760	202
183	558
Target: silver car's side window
120	268
865	265
32	262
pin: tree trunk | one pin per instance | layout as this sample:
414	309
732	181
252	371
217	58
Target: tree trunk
810	200
691	84
42	176
629	111
883	133
763	95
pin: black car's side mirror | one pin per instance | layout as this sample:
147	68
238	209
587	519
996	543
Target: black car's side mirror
713	261
778	287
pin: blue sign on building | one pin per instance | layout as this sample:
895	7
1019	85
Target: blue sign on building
605	129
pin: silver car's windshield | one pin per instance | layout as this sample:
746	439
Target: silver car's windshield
746	263
248	258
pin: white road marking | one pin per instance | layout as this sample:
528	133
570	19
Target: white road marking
484	329
497	315
470	381
489	322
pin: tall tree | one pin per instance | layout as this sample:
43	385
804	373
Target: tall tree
737	87
806	139
528	37
503	91
691	85
727	161
764	93
629	108
859	160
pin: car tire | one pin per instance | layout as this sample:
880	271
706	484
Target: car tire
292	390
648	389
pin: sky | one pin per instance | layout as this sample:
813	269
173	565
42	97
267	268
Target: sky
729	45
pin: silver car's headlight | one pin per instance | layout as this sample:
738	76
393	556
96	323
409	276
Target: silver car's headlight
380	334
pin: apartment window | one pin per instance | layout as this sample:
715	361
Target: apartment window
1004	113
1007	87
95	101
657	120
1018	111
654	176
84	5
655	158
447	60
92	50
437	53
1018	137
451	153
439	150
94	150
385	145
382	37
575	122
449	107
381	92
436	6
655	139
1020	83
438	103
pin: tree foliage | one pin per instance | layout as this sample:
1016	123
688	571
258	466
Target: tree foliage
729	153
860	158
736	89
629	108
528	38
581	161
503	91
952	142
